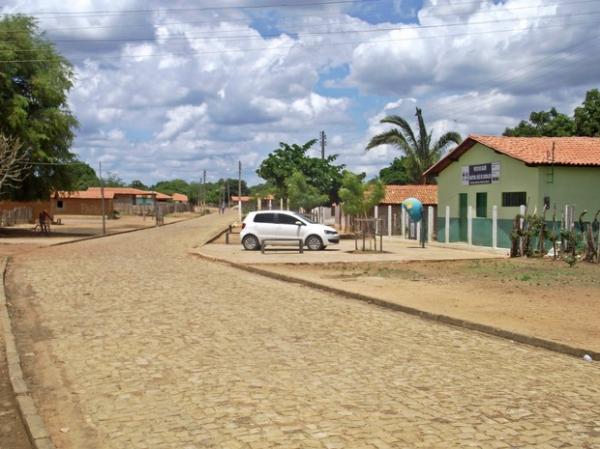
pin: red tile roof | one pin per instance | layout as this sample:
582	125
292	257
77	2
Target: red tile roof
180	197
426	194
581	151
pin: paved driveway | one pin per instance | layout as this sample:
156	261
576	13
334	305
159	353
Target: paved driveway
134	343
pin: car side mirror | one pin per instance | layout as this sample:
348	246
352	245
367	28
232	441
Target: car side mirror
299	223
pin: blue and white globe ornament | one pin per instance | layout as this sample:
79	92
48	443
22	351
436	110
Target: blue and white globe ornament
414	208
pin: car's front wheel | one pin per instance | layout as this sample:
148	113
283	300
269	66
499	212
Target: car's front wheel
251	243
314	243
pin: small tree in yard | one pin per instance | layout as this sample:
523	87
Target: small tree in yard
303	195
358	198
13	163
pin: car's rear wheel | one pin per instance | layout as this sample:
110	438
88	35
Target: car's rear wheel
314	243
251	243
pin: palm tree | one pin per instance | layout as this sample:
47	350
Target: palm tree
419	152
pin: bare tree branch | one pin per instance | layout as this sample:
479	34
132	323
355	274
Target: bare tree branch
14	163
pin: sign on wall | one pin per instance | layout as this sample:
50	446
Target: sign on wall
481	174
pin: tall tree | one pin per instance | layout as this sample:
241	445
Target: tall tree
279	165
395	173
587	116
543	123
302	194
137	184
83	176
419	151
34	83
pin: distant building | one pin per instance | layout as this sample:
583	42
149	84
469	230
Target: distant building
503	173
89	202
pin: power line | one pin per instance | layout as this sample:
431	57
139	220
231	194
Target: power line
303	4
321	15
330	32
289	47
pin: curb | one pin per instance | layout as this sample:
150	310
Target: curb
444	319
34	424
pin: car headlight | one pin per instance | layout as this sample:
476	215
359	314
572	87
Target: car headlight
331	232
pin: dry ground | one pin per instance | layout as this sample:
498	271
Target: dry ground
543	298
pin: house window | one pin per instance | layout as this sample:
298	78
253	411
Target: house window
514	199
481	204
59	204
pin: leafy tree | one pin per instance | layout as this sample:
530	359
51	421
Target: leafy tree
137	184
359	198
551	123
113	180
587	116
172	186
34	107
279	165
83	176
419	151
302	194
396	173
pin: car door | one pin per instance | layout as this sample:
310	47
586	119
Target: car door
265	225
287	226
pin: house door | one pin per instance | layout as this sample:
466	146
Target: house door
462	216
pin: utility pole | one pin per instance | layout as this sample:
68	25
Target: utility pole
323	139
204	190
228	192
240	191
102	198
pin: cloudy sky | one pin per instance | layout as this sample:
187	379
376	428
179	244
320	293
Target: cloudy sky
166	89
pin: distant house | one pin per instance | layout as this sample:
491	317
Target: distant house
496	175
266	202
396	194
89	202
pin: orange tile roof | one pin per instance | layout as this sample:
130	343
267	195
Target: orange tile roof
582	151
161	196
94	193
425	193
180	197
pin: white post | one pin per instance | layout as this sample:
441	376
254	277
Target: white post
430	224
419	231
258	203
280	203
495	227
270	204
389	214
447	224
288	203
470	225
403	222
376	214
338	217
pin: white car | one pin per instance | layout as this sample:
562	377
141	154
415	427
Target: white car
282	224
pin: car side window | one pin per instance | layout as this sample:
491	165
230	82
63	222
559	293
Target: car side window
287	219
264	218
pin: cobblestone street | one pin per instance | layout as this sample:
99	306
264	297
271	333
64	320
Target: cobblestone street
132	342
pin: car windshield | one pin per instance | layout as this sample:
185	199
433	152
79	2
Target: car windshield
305	218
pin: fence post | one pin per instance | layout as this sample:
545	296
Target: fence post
419	231
495	227
429	223
389	221
447	218
280	203
376	214
270	204
470	225
288	203
403	223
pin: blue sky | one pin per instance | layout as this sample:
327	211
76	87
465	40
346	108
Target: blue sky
169	89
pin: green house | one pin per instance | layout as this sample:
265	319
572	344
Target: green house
487	180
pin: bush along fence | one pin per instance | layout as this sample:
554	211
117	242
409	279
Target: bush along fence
535	236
